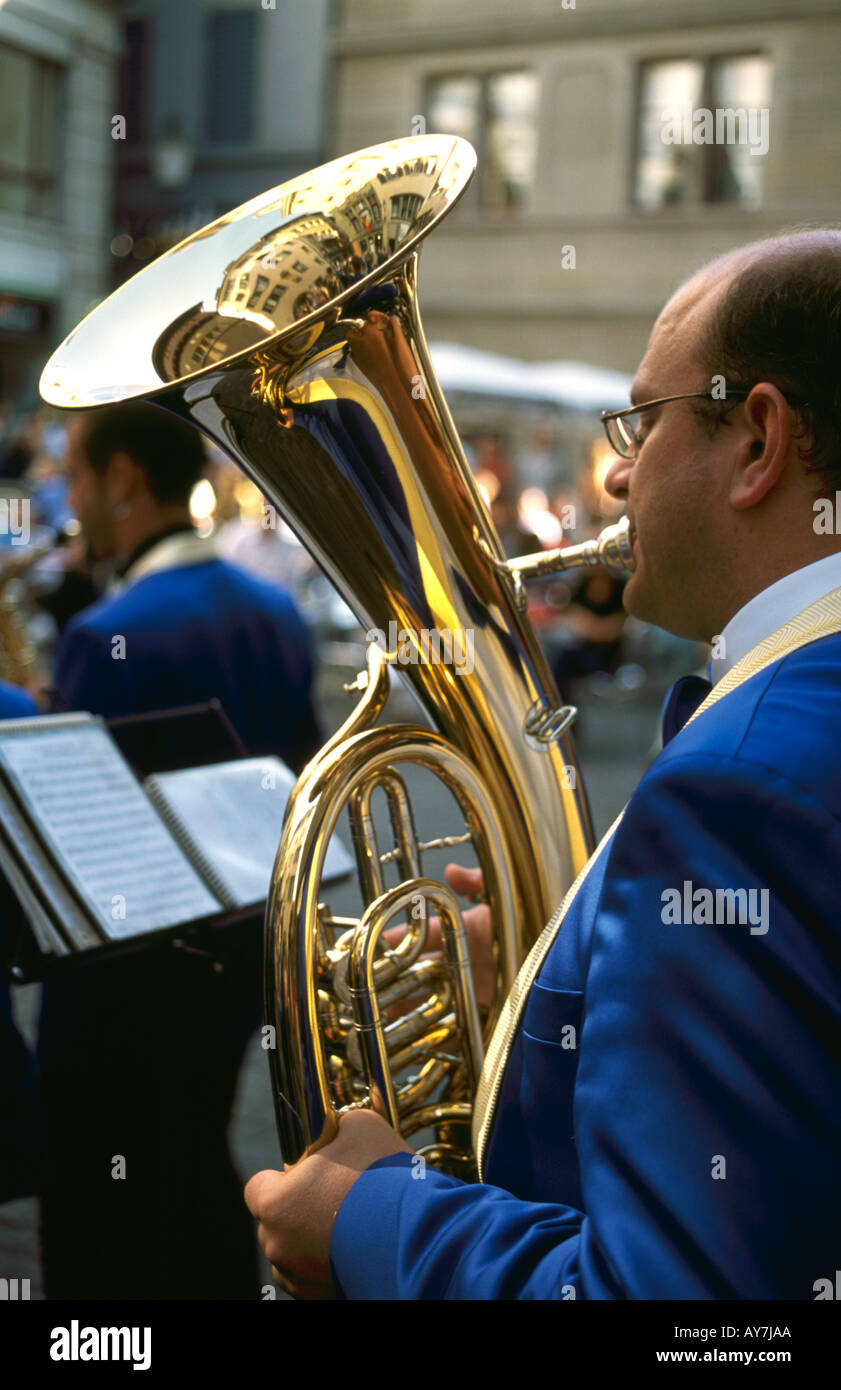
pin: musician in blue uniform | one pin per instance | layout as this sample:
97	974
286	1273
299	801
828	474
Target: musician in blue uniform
139	1056
181	625
662	1115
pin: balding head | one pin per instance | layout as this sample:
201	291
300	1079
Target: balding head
721	495
771	311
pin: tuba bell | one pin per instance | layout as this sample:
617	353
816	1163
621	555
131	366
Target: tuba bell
288	332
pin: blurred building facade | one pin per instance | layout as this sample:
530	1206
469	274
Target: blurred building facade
602	184
222	100
58	82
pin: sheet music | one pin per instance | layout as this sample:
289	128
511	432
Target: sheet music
230	817
40	886
99	823
47	938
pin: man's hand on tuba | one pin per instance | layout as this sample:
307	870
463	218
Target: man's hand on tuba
468	883
296	1209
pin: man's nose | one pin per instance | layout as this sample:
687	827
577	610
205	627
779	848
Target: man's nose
617	478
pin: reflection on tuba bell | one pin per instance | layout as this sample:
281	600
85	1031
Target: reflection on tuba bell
288	331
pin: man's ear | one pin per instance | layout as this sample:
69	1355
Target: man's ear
765	436
122	477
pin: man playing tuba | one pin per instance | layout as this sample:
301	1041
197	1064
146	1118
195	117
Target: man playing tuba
673	1069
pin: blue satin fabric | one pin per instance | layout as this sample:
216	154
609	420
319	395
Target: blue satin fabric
195	633
681	702
690	1146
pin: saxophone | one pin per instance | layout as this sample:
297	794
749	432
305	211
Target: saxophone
288	332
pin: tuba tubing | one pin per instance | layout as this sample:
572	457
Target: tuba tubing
288	331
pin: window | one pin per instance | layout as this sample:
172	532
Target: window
30	96
133	80
365	214
702	131
273	298
497	113
260	285
406	206
231	76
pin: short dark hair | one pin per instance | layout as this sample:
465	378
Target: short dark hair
170	452
779	320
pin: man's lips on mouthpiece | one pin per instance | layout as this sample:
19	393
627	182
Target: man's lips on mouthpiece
632	538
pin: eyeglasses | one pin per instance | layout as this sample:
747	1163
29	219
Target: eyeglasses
622	426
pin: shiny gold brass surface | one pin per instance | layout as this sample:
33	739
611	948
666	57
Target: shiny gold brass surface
18	657
17	653
288	331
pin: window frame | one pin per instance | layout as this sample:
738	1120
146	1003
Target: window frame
209	139
707	60
32	180
475	198
136	135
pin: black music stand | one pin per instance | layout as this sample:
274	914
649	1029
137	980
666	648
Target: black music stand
160	741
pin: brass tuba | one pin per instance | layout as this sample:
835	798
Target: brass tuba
18	654
288	331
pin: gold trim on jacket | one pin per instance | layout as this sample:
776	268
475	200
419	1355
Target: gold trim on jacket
820	619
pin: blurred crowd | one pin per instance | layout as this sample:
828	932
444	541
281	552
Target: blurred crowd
47	574
141	576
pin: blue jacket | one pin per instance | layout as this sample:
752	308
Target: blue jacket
193	633
669	1121
15	703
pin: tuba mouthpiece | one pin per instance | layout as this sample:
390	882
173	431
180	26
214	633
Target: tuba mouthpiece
612	549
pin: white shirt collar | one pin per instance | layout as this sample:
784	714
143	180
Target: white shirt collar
768	610
171	552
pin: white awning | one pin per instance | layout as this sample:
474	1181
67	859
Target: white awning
571	385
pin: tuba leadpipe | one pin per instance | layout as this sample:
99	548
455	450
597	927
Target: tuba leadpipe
288	332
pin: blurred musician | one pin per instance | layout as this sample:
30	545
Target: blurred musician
183	625
139	1057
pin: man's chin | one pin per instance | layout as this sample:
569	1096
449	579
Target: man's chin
633	597
639	601
650	604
